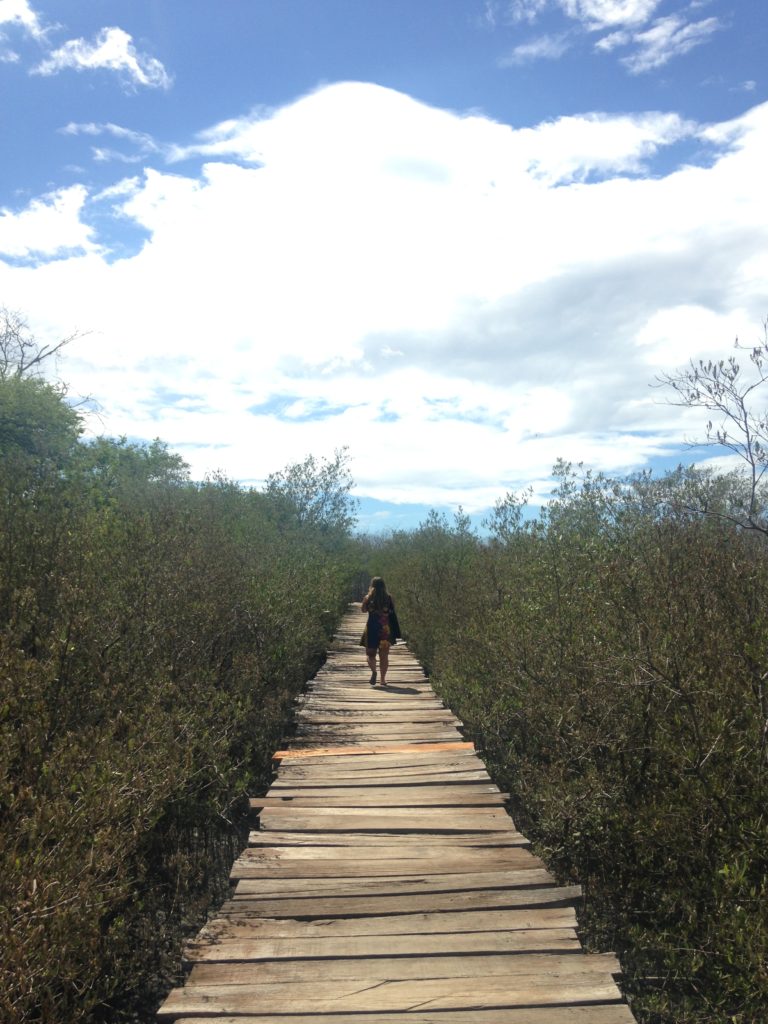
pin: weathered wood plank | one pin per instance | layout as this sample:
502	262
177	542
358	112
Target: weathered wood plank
373	799
229	947
375	788
408	842
376	700
339	714
384	820
424	760
371	905
351	737
518	919
393	885
492	813
403	968
615	1013
393	748
403	996
429	775
256	863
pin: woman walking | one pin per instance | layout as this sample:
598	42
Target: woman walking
382	628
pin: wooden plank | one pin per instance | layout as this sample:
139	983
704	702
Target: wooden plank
452	812
368	905
325	870
408	843
402	996
396	820
261	862
504	921
389	772
346	716
390	748
615	1013
377	788
374	800
248	865
401	731
234	948
351	737
388	768
403	968
428	776
365	702
391	885
414	756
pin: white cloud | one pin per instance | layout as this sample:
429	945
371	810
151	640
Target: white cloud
667	38
543	48
121	189
613	40
21	13
525	10
627	23
113	50
142	144
469	299
49	226
596	15
572	148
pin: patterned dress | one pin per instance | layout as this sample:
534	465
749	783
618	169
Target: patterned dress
377	631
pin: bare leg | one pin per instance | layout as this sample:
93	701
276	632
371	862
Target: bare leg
384	662
371	656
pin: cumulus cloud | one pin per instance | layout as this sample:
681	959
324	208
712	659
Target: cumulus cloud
113	50
358	268
596	15
575	148
21	13
18	14
48	226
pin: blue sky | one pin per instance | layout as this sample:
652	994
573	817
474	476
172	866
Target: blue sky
460	237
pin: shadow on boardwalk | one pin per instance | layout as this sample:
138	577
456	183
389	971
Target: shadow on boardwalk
387	882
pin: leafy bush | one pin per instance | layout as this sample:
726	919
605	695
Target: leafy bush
153	636
610	658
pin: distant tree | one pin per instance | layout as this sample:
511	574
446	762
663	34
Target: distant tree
36	423
316	493
739	420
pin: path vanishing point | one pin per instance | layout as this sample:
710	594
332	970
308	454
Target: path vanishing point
386	881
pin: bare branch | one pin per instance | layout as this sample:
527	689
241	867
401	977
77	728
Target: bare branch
21	355
722	388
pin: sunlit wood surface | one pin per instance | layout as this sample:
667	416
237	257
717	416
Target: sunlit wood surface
387	882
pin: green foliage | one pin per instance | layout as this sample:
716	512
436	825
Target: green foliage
610	659
153	636
315	494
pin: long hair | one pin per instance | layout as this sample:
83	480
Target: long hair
378	598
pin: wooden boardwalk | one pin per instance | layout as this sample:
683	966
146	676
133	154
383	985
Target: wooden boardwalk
387	882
